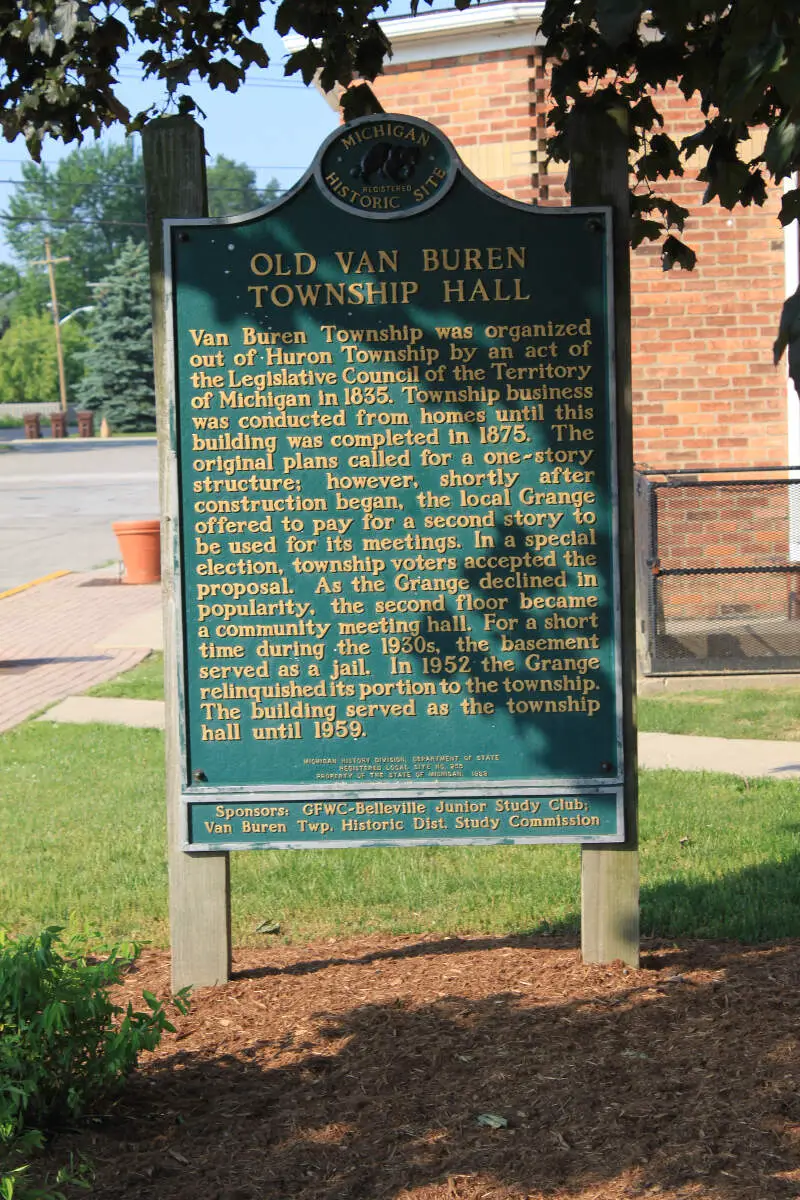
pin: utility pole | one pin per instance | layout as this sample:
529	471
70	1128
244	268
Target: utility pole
49	262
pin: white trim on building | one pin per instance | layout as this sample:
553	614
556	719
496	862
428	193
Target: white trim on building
479	29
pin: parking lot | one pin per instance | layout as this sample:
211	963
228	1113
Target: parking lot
58	500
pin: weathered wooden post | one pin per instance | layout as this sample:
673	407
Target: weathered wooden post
610	873
199	884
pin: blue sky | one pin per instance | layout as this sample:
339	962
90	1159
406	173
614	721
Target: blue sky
273	124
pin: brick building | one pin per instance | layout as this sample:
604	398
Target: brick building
706	394
705	390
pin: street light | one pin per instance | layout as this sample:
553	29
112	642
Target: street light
75	311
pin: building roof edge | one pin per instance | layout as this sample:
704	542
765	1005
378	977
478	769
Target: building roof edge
448	33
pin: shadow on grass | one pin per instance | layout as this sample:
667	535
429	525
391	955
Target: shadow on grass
755	905
665	1085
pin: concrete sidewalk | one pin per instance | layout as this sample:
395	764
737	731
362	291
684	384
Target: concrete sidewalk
732	756
65	634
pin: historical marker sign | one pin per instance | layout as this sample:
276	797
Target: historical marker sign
394	437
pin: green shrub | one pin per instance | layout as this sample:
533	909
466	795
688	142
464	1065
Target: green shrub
64	1045
28	360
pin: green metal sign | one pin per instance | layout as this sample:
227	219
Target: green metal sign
396	533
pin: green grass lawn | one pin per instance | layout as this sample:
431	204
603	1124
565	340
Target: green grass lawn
772	713
145	682
82	845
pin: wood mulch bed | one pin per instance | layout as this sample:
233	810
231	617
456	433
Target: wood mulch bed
377	1067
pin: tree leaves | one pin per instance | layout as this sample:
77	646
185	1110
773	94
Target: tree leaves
42	37
119	365
28	364
307	61
648	228
674	251
790	207
61	62
360	101
232	188
782	148
740	62
372	50
617	19
225	73
724	173
789	336
660	160
66	17
89	203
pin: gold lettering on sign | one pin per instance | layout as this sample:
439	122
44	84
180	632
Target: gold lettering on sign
394	516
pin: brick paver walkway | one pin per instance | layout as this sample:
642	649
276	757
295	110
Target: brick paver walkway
50	637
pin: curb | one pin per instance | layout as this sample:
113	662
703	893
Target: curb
31	443
23	587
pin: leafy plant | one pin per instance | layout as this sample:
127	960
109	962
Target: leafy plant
64	1045
91	204
232	188
28	363
736	65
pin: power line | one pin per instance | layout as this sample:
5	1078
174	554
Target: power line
46	182
56	221
131	75
137	190
75	221
51	166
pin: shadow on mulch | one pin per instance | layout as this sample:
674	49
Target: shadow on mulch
359	1069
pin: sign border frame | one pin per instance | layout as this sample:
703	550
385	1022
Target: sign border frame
258	794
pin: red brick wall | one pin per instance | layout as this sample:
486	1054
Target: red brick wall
482	102
723	525
705	391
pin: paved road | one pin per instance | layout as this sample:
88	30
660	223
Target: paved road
58	500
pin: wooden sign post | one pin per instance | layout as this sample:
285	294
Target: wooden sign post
610	875
199	885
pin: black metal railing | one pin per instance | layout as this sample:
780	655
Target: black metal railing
719	570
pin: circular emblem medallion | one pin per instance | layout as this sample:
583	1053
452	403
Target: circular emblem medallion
386	166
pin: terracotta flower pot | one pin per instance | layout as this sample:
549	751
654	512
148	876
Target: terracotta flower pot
140	546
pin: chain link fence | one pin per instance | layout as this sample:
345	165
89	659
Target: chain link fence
718	570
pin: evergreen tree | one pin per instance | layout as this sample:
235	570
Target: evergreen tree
119	381
10	282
